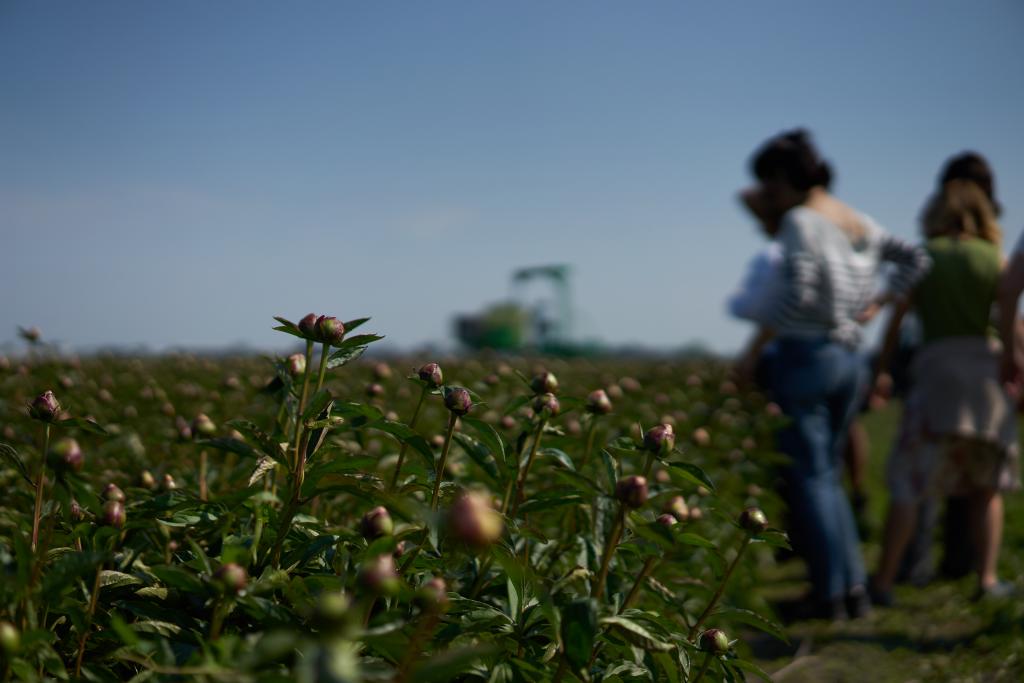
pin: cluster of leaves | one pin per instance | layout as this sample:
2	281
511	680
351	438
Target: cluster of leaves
504	552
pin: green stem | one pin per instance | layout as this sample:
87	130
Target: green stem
560	671
703	668
203	489
648	463
323	366
401	451
302	398
414	648
521	479
220	610
93	601
597	590
591	430
721	588
39	489
634	593
439	477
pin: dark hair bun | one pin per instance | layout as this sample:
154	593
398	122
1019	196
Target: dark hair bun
793	156
975	168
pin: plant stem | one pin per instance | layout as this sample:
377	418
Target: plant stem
560	671
413	649
203	490
323	366
39	489
302	398
439	476
94	599
521	479
589	448
648	463
721	588
597	590
401	451
703	668
220	610
634	593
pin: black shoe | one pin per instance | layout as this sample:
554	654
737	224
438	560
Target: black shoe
858	602
880	598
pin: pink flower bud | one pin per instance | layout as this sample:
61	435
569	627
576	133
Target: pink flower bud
546	405
379	576
203	426
376	523
307	325
45	407
677	507
632	491
753	520
458	400
432	596
329	329
474	522
544	383
66	454
296	364
431	374
113	492
598	402
660	439
231	578
114	514
714	641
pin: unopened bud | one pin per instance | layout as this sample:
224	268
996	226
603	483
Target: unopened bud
676	506
379	576
10	639
432	596
660	439
296	364
431	374
382	371
45	407
544	383
714	641
376	523
307	325
76	512
632	491
114	514
203	427
374	390
146	480
753	520
168	483
458	400
331	611
474	522
113	492
546	405
598	402
231	578
66	455
666	520
329	329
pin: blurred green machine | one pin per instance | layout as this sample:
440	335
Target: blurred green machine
545	326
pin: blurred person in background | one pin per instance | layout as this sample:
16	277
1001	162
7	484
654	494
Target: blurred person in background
959	427
832	259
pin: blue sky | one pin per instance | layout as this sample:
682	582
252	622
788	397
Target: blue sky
177	173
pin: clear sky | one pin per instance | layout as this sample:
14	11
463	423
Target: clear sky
176	173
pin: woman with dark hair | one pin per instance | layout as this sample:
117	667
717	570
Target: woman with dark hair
832	258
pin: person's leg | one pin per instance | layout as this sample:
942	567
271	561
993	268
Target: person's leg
958	538
899	526
916	565
989	507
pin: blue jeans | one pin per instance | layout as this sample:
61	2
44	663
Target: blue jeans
818	384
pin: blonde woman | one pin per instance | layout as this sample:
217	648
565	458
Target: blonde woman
959	429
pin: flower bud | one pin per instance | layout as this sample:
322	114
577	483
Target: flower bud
329	329
474	522
507	422
432	596
76	512
382	371
676	506
114	514
331	611
10	639
168	483
546	405
544	383
431	374
113	492
374	390
666	520
66	454
701	436
307	325
379	576
660	439
376	523
231	578
45	407
632	491
753	520
146	480
598	402
203	427
714	641
458	400
296	364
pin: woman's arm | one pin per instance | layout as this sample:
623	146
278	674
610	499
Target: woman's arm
912	263
1011	283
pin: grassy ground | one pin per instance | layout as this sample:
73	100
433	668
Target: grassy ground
936	633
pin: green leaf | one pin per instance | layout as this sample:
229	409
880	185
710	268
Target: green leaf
266	443
750	618
551	499
112	579
357	340
752	668
84	424
11	456
351	325
264	465
446	665
579	630
408	436
480	454
559	455
689	472
232	446
488	436
316	405
344	357
649	640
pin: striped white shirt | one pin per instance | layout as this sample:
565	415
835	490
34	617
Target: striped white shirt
828	280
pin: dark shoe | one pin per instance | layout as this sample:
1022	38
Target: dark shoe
858	603
997	591
880	598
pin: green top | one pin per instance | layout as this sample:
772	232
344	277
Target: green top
955	298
